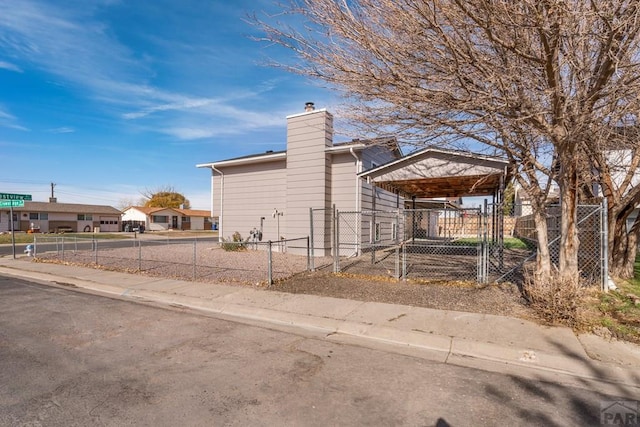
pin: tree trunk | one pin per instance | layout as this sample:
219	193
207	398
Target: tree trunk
623	247
569	243
543	257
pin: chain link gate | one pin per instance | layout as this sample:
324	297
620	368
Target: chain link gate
507	264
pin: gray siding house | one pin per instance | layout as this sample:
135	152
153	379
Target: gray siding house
273	191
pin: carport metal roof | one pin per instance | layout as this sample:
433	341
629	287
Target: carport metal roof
431	173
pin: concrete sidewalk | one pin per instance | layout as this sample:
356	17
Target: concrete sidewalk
495	343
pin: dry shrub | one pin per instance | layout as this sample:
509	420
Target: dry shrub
558	301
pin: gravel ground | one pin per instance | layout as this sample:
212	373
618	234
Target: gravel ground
502	299
250	268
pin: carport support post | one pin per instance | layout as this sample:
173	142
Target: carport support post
485	252
413	219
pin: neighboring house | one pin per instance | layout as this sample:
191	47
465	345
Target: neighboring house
522	200
159	219
273	192
53	217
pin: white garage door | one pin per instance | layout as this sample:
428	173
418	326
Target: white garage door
109	224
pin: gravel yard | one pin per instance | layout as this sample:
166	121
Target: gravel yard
250	268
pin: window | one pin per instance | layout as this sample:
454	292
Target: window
34	215
186	219
378	232
85	217
394	231
39	215
160	218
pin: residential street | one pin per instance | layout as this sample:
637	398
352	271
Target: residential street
71	358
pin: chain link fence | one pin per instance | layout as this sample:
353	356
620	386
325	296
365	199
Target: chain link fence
248	262
484	245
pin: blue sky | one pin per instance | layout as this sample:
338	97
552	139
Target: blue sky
109	98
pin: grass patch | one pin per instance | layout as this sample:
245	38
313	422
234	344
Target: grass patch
509	242
619	310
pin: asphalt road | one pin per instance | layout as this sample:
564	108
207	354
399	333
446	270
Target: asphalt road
49	243
70	358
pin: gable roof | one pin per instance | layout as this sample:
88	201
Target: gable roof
183	212
67	208
341	147
431	173
194	212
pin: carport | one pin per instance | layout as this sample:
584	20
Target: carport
442	238
434	173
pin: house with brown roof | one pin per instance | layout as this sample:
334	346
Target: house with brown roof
53	217
162	219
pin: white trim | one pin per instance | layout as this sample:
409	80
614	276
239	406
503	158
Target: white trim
271	157
346	148
304	113
425	152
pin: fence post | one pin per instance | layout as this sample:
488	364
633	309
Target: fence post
482	276
336	232
397	272
404	261
269	265
308	254
35	246
604	226
310	240
95	245
62	248
139	254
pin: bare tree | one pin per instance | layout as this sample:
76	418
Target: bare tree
543	82
616	168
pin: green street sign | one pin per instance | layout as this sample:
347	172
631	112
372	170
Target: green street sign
11	203
10	196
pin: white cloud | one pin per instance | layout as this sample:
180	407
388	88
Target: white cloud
63	129
8	120
185	105
81	51
11	67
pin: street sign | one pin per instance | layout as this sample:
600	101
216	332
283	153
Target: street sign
10	196
11	203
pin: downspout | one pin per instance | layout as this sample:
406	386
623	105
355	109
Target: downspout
358	199
213	168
